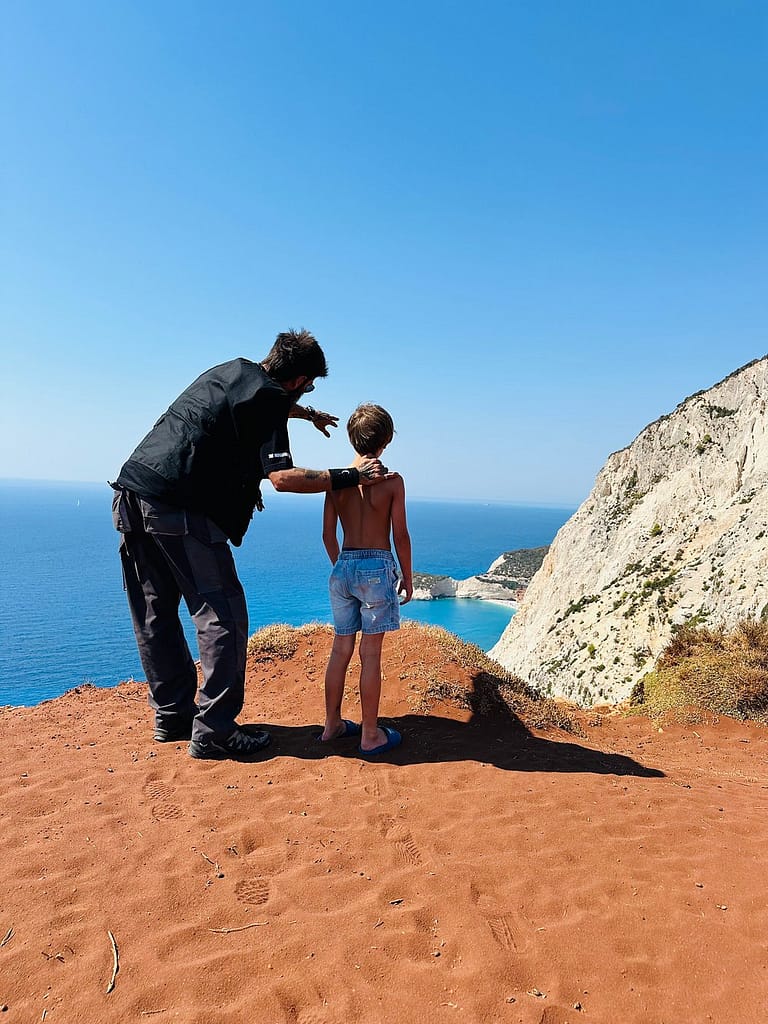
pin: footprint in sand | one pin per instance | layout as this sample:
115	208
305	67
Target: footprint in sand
408	851
385	826
375	784
156	789
405	846
163	809
313	1016
250	839
508	929
501	930
42	812
373	788
167	812
253	891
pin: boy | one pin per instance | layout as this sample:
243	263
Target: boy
364	584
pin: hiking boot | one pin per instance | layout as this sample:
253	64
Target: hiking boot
172	727
171	732
239	745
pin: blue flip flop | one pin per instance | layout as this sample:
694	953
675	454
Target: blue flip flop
394	739
350	729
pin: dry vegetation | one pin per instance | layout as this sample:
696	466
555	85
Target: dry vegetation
493	687
280	641
713	670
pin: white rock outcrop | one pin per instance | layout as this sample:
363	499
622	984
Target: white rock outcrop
474	587
429	588
505	580
675	529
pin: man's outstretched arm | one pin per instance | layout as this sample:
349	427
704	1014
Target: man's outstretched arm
313	481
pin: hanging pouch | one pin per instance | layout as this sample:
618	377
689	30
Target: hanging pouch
159	518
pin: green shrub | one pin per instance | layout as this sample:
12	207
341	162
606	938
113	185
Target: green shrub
702	445
710	669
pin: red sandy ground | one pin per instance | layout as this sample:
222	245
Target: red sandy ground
484	872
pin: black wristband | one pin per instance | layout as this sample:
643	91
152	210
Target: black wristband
344	478
311	413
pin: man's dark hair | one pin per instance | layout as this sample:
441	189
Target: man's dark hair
370	428
295	354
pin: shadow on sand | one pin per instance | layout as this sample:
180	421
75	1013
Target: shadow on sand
494	735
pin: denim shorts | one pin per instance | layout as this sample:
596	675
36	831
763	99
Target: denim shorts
363	589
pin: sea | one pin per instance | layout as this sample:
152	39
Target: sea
64	619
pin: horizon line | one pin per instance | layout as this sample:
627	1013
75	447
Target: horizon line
520	502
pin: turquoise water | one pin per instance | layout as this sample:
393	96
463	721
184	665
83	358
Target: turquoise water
63	615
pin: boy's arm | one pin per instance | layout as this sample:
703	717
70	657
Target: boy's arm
330	521
402	540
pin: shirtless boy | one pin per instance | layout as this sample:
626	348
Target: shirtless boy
364	583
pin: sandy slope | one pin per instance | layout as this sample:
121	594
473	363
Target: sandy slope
486	872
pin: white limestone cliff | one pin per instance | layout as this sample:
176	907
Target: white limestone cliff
675	529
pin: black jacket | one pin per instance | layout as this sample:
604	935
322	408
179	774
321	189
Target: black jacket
212	448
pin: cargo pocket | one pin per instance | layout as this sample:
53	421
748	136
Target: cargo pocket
212	567
204	529
166	520
122	523
120	516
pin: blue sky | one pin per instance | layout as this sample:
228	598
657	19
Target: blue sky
526	229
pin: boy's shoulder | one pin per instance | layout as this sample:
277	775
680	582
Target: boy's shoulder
395	487
395	480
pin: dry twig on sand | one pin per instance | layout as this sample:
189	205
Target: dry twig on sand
115	963
226	931
8	936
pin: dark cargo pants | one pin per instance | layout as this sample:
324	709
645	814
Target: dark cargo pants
169	553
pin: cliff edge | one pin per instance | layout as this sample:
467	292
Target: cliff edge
675	530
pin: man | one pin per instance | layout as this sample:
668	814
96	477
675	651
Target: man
190	486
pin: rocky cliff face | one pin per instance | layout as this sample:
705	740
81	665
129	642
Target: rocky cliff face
676	528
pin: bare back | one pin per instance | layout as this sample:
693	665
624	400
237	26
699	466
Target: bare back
366	513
